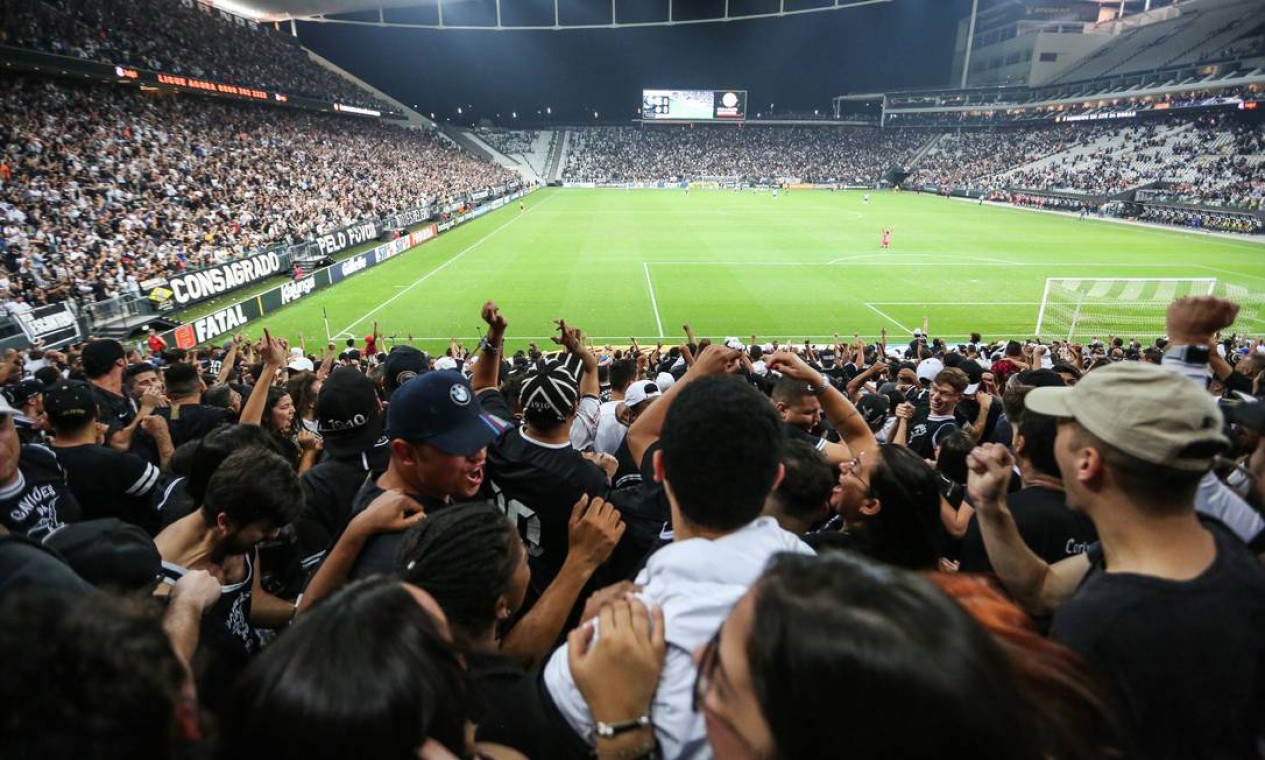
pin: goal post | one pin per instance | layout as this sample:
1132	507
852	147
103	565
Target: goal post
1075	308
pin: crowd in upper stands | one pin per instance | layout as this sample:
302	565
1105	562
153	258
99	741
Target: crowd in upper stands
1217	161
920	549
102	188
811	154
185	37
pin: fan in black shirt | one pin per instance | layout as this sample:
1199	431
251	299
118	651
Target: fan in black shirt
438	435
1170	609
106	482
535	474
350	421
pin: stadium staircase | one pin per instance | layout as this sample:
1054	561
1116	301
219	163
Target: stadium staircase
558	156
467	142
929	146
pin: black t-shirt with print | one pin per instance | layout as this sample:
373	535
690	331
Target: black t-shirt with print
1051	530
41	500
112	483
926	432
538	484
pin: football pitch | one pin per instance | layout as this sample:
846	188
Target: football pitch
806	264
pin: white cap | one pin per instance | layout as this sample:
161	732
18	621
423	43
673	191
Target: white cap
734	343
929	368
301	364
917	332
445	362
665	380
640	391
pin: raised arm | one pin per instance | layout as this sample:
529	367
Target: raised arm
645	430
230	359
273	353
1038	586
487	371
837	408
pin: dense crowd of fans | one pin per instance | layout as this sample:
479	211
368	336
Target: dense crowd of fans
103	188
1215	161
185	37
249	550
854	156
510	141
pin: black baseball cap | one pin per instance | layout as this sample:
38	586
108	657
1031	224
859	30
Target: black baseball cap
19	393
974	374
100	355
348	416
440	409
402	364
69	401
108	552
873	409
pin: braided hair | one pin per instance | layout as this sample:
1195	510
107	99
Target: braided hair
465	556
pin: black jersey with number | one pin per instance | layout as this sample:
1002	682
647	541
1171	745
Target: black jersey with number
40	501
538	484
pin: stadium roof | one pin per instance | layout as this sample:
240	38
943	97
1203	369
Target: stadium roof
283	10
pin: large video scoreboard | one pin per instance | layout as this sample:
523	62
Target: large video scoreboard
694	105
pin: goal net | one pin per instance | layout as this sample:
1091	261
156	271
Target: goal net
1081	308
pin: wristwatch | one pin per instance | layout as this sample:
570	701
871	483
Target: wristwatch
607	730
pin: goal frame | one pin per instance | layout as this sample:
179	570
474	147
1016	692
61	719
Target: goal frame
1045	295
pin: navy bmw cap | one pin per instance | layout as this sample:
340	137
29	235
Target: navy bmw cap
439	408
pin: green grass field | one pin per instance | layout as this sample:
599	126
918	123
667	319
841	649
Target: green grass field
806	264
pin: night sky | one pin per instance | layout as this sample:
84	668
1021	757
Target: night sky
795	63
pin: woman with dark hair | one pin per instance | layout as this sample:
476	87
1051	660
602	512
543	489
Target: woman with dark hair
304	388
280	419
839	656
889	501
368	673
470	558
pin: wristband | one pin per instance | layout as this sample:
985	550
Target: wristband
484	345
607	730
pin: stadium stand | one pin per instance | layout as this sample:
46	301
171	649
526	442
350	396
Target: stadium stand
1201	31
812	154
252	550
185	37
106	187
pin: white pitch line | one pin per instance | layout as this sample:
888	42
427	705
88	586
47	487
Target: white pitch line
888	317
955	303
654	303
939	264
441	267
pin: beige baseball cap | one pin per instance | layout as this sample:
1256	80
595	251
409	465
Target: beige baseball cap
1148	412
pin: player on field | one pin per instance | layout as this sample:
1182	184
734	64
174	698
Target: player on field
866	199
887	239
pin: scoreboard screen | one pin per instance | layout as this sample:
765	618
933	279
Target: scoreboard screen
694	105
